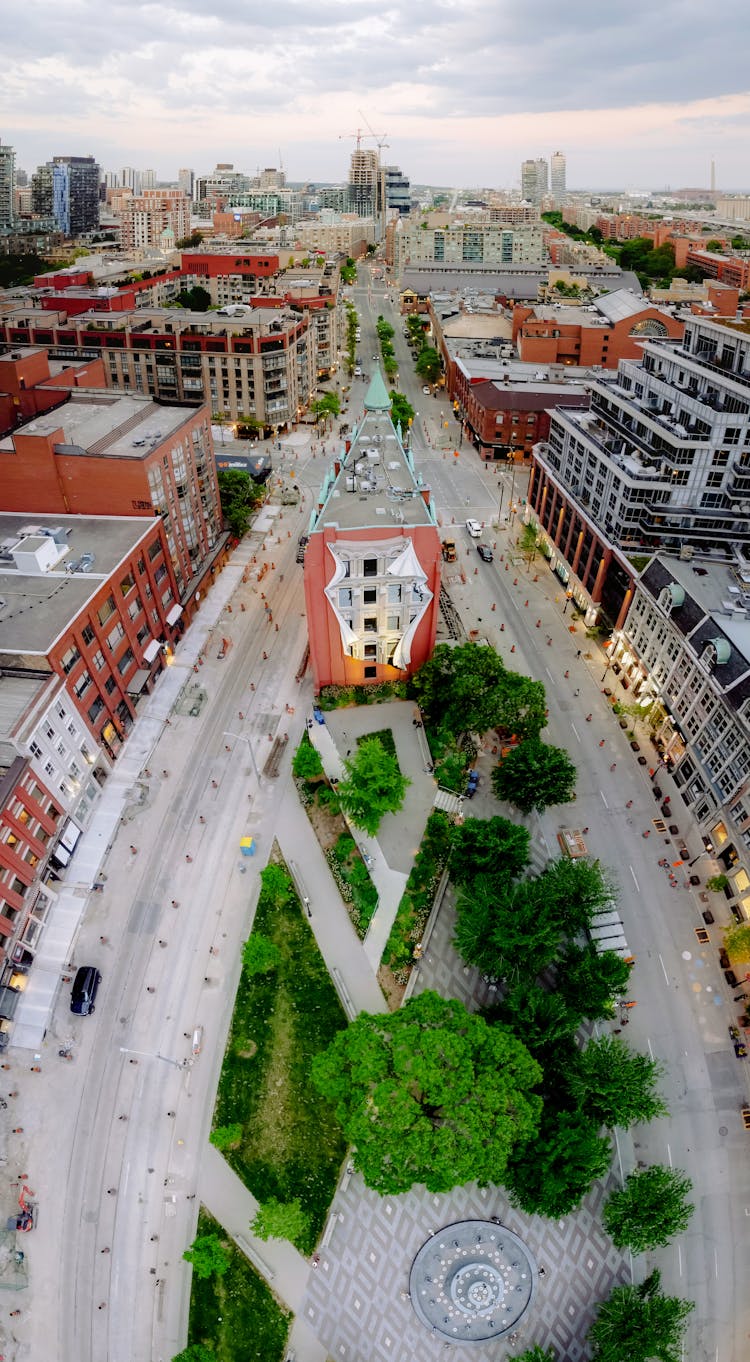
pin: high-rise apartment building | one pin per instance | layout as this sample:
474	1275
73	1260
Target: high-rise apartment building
660	461
7	186
150	215
149	179
365	184
397	190
41	191
75	194
186	181
557	177
534	180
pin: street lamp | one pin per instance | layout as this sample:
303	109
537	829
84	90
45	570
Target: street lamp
146	1054
240	737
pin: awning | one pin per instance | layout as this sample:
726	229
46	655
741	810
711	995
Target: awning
69	836
138	681
9	1001
60	856
151	649
174	614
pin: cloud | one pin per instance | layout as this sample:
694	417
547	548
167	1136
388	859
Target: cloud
139	82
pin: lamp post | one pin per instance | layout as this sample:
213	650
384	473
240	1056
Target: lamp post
146	1054
240	737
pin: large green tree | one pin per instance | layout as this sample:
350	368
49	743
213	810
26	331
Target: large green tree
650	1209
402	412
276	1219
238	495
430	1094
373	785
640	1324
614	1085
537	1014
518	928
535	775
469	689
590	982
492	846
551	1174
208	1255
428	364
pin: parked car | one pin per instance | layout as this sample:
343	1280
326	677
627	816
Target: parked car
485	552
84	990
474	528
472	784
427	390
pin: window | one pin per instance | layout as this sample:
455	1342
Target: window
127	584
69	659
95	710
135	607
370	673
394	595
125	661
114	637
98	659
393	622
154	550
371	650
49	731
49	769
35	749
110	684
72	729
345	597
371	624
106	610
81	686
88	635
161	573
370	567
369	596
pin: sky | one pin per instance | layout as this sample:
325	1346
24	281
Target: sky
637	95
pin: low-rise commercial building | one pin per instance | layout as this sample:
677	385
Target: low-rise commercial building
606	330
486	244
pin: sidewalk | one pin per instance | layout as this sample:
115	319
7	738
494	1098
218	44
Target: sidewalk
37	1001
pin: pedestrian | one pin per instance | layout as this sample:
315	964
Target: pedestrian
188	859
601	742
102	1305
162	943
165	773
578	654
576	693
588	718
566	675
647	833
134	851
584	831
613	766
191	1197
154	1238
122	1118
104	1250
175	903
111	1191
171	1113
629	804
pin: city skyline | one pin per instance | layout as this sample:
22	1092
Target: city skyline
184	86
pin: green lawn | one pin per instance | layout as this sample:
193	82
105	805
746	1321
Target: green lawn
384	737
291	1144
414	908
237	1315
351	875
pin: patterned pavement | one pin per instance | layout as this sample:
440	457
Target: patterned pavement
357	1301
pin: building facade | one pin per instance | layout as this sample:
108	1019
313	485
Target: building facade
148	216
534	180
365	184
258	362
557	178
661	460
505	419
75	194
7	187
685	647
464	243
372	562
610	328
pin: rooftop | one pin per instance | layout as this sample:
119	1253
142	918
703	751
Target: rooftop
376	486
95	422
38	605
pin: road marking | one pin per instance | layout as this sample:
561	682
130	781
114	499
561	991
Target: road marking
650	1050
604	799
679	1258
664	969
551	677
716	1263
669	1155
575	730
635	882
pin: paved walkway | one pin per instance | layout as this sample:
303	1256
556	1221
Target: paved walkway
390	855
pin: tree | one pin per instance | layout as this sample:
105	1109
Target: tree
551	1174
186	242
639	1323
373	785
226	1137
196	299
615	1085
277	886
737	940
590	982
469	690
307	764
195	1352
650	1209
260	955
237	499
430	1094
492	846
402	412
714	245
326	407
539	1015
208	1255
429	364
535	775
276	1219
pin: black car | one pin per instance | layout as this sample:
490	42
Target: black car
84	991
485	553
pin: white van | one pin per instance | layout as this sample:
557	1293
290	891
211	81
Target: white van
474	528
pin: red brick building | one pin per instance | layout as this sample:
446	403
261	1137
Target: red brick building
106	453
372	562
506	419
602	333
30	384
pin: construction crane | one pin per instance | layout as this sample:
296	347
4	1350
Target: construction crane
361	136
379	137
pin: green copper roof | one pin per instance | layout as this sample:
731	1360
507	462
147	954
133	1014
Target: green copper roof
377	398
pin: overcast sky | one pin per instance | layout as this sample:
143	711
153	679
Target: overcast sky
637	94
